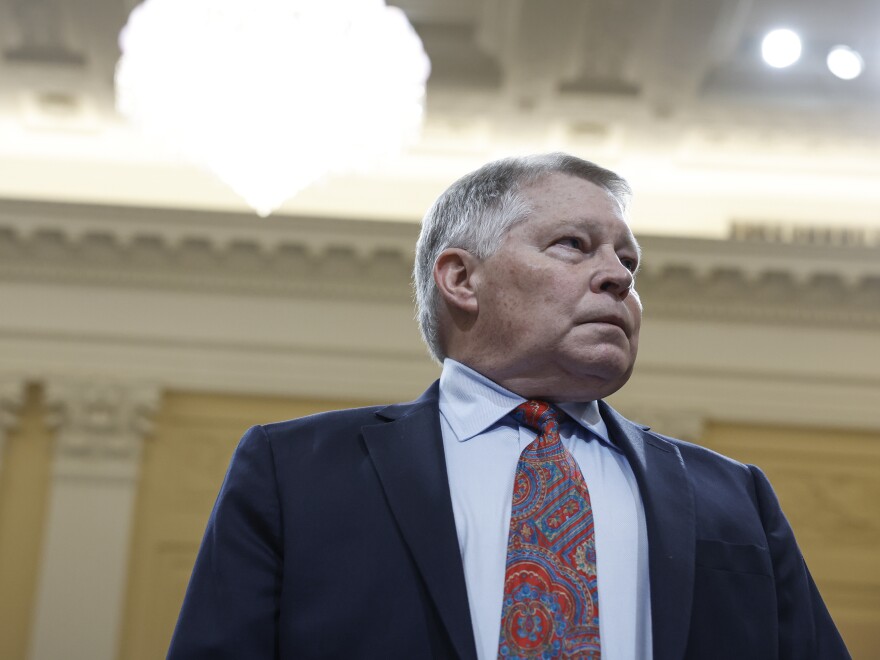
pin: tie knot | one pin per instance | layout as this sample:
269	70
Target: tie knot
539	416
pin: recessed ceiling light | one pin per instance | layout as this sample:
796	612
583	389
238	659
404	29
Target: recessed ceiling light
845	63
781	48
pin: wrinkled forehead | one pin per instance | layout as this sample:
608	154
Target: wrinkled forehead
571	203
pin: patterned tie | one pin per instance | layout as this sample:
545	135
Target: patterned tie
551	600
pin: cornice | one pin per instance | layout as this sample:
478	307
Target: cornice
764	282
741	279
203	251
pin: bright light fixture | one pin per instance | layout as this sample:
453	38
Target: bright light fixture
273	94
845	63
781	48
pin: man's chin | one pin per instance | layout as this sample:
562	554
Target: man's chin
595	379
563	375
563	385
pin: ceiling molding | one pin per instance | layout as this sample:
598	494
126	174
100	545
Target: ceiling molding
203	251
702	279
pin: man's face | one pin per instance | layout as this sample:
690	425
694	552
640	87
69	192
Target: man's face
557	315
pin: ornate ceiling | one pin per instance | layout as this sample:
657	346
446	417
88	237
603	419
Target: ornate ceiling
670	92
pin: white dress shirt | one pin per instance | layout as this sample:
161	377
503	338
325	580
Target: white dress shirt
483	443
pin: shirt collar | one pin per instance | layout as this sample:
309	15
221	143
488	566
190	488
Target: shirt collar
471	403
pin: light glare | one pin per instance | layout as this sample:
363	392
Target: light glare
781	48
845	63
273	94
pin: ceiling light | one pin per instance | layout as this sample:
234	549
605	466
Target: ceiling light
781	48
845	63
273	94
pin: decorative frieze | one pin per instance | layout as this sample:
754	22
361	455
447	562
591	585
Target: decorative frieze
741	279
795	234
768	297
353	260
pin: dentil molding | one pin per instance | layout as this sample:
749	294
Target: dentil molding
742	279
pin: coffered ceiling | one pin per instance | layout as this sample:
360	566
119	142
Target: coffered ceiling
673	93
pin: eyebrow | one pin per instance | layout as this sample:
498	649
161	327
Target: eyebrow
638	256
638	248
633	242
587	221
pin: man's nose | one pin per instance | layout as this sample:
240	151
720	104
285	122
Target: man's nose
613	277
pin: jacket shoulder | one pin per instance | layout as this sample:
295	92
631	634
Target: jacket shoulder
344	423
690	452
326	419
693	451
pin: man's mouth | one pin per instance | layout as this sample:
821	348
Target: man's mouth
610	319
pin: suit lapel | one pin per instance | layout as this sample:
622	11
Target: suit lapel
407	452
669	514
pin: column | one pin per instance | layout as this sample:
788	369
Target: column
100	427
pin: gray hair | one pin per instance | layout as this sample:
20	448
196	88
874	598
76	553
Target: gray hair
476	212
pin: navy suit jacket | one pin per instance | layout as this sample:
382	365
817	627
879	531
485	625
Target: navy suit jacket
333	537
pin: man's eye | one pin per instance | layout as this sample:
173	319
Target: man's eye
630	264
571	241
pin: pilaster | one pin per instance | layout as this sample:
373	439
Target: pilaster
100	428
11	400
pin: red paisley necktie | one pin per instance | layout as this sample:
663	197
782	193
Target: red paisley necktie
551	599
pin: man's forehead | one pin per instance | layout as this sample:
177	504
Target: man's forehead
558	188
578	214
585	221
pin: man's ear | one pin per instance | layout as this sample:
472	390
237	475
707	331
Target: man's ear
454	275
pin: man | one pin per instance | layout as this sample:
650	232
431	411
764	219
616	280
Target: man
508	512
